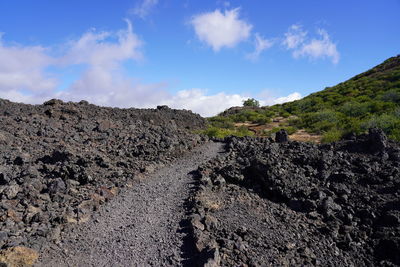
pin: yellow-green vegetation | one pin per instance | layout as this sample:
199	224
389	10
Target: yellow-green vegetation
217	132
289	129
331	136
370	99
250	115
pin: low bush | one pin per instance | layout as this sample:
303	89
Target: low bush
289	129
221	122
332	135
222	133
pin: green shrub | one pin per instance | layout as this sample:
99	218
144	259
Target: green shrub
321	121
354	109
253	116
380	107
222	133
295	122
221	122
251	102
332	135
263	120
391	96
352	125
387	122
289	129
284	114
243	131
395	135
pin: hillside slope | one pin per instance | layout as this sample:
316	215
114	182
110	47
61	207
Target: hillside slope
370	99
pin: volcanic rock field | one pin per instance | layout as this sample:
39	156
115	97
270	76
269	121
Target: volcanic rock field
83	185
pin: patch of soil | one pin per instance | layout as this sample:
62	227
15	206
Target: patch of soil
303	136
261	129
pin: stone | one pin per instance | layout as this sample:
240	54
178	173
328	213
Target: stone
104	125
210	222
4	179
213	258
53	102
281	136
57	186
18	256
377	140
219	181
196	222
3	236
11	191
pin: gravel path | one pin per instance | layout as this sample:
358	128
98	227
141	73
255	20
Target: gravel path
143	226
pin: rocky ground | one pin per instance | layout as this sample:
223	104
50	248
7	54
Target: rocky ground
290	203
145	225
85	185
60	161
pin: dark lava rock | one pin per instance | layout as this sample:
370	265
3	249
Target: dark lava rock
59	161
345	193
377	139
281	136
57	186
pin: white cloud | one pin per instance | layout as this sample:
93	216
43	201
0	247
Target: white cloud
102	81
23	68
292	97
261	44
294	37
296	40
269	97
98	49
206	105
319	48
198	101
143	9
220	30
24	76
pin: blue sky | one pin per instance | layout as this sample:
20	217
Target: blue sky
201	55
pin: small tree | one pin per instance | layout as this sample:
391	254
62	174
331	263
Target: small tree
251	102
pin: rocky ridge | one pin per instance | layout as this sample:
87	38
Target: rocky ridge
59	161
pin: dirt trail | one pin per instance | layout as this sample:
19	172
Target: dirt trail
143	226
300	135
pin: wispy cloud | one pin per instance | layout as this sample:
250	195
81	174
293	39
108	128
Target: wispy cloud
296	39
319	48
291	97
219	30
260	44
144	8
